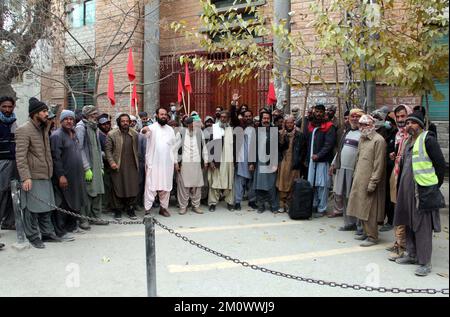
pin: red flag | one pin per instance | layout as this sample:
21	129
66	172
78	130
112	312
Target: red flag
187	80
180	89
271	96
111	96
134	98
130	66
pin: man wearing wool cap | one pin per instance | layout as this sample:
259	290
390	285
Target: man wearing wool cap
366	201
68	181
419	197
35	166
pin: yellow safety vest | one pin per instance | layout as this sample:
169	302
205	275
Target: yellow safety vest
424	173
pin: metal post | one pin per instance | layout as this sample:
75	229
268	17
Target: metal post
151	57
21	241
150	255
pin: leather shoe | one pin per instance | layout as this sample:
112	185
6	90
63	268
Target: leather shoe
183	211
253	205
38	244
2	245
163	212
51	239
212	208
85	225
348	228
197	210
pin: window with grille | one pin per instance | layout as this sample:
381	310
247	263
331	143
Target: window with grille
81	80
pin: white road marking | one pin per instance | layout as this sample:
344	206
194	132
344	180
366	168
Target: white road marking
278	259
189	230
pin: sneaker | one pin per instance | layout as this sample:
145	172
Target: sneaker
78	230
396	254
361	238
386	227
117	215
423	270
348	228
51	239
253	205
369	242
406	259
132	214
84	224
182	211
164	212
237	206
212	208
197	210
230	207
38	244
67	238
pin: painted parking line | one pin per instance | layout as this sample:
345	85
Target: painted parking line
189	230
278	259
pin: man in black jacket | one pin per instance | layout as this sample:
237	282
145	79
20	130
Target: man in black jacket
419	197
321	136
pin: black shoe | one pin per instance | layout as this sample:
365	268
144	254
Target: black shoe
38	244
5	227
156	204
237	206
212	208
261	209
230	207
117	215
2	245
253	205
132	214
98	222
348	228
51	239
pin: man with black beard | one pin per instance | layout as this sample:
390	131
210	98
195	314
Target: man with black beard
159	162
266	166
122	155
321	135
244	172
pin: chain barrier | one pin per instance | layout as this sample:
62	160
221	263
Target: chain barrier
394	290
76	215
356	287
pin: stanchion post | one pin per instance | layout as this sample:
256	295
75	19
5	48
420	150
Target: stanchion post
21	241
150	255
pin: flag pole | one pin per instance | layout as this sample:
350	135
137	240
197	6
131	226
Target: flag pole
184	102
131	97
189	103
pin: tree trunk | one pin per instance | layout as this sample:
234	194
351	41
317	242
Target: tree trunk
7	90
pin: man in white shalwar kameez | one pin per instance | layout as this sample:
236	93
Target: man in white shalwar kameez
159	162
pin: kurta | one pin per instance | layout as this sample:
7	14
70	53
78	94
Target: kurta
286	175
191	167
265	176
369	172
126	179
159	158
406	212
223	177
67	162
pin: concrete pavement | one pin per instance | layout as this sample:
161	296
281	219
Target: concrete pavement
110	260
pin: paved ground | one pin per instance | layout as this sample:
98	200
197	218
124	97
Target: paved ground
110	260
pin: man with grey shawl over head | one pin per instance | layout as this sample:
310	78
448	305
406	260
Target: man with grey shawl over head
91	154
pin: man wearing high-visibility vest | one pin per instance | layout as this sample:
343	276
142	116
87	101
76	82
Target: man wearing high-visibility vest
419	197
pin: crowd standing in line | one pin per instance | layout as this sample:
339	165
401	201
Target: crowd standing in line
384	168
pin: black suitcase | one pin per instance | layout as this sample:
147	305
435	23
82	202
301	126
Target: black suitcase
302	200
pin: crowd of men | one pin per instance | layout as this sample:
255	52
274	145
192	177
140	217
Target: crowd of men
384	169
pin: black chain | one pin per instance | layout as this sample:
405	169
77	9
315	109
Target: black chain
394	290
356	287
73	214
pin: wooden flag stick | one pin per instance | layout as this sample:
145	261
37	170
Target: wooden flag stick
184	102
131	97
189	103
